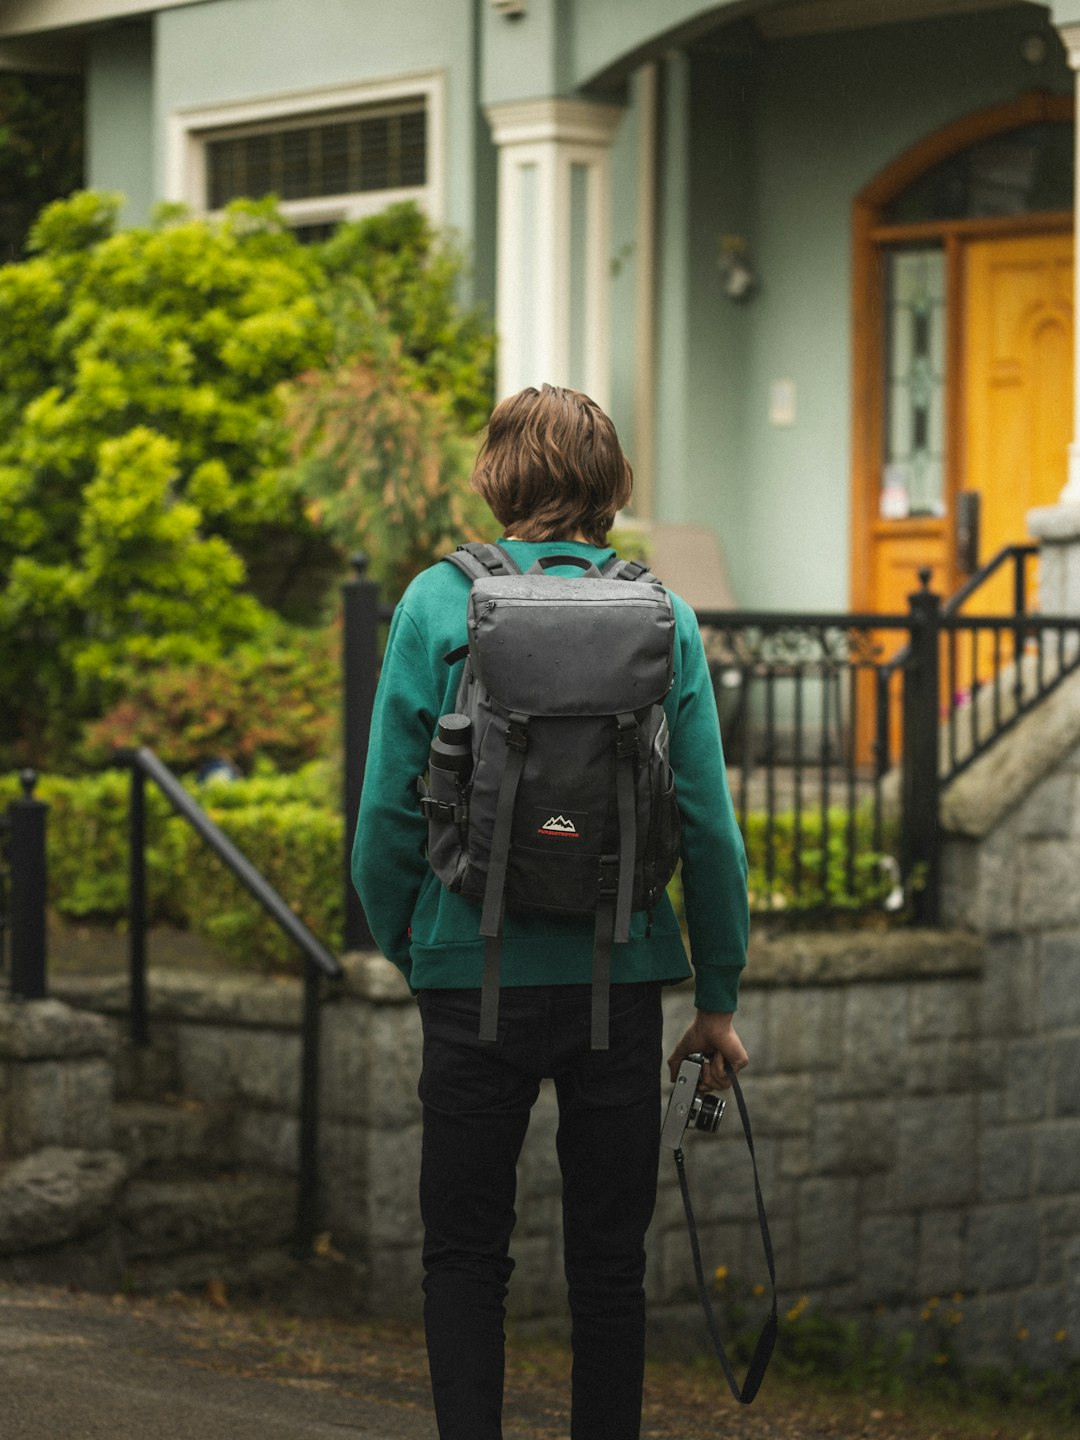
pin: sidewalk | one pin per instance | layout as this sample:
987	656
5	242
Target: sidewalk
93	1367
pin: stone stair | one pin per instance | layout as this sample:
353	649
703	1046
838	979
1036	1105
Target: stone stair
191	1213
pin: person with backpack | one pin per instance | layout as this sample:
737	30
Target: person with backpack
515	835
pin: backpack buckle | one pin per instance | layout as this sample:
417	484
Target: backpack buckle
517	732
626	744
607	886
442	812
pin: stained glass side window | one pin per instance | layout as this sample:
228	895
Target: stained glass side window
913	472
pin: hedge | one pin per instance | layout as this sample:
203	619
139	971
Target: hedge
286	825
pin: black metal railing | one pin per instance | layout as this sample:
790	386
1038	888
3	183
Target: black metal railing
840	729
997	668
318	961
798	697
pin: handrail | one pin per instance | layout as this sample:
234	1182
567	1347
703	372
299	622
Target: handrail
319	962
1016	553
255	883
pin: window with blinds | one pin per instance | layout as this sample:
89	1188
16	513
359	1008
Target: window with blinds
379	148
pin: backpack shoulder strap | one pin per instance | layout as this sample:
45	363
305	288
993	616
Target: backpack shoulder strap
617	569
477	559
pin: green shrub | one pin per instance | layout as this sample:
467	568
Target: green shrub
379	458
793	879
146	518
297	846
275	704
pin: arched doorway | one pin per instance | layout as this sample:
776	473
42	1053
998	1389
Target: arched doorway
963	322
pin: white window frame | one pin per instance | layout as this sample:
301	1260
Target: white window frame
189	131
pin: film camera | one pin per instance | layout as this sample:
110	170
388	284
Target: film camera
687	1110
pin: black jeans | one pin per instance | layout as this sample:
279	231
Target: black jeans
476	1100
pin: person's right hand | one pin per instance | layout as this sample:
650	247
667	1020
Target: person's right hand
713	1035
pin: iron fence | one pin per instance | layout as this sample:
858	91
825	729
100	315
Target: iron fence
840	729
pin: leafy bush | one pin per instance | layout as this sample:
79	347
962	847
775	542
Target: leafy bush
276	704
380	459
288	826
394	273
802	863
145	517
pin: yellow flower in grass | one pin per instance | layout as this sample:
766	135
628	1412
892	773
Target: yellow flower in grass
941	1358
1022	1333
798	1308
720	1274
759	1290
1061	1336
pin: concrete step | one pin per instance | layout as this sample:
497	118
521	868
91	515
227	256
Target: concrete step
166	1215
171	1132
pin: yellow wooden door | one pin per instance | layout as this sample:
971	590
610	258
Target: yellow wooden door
1017	384
1017	415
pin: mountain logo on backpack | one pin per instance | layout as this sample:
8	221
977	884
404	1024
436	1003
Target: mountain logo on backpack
559	825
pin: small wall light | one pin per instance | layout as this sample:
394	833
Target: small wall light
740	281
511	9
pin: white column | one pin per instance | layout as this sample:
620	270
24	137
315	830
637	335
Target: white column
553	280
1070	35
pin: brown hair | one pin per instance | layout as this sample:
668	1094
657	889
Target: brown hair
551	465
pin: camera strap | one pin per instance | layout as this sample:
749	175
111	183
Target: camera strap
767	1339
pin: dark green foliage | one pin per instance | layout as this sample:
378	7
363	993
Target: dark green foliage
41	149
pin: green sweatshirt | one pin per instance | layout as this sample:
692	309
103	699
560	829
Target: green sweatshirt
432	935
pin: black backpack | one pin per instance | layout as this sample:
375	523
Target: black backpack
549	788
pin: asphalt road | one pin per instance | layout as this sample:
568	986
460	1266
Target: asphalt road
82	1367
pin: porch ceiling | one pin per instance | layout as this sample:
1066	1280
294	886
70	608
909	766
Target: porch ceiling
612	37
816	17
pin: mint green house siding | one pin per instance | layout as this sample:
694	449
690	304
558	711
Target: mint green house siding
120	118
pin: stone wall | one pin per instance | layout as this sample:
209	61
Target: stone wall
915	1102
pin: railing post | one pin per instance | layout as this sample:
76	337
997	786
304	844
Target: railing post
26	838
920	846
360	598
140	1031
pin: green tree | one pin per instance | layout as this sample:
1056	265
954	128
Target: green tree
383	467
141	441
394	273
148	515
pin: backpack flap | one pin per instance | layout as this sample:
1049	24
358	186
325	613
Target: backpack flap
548	646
